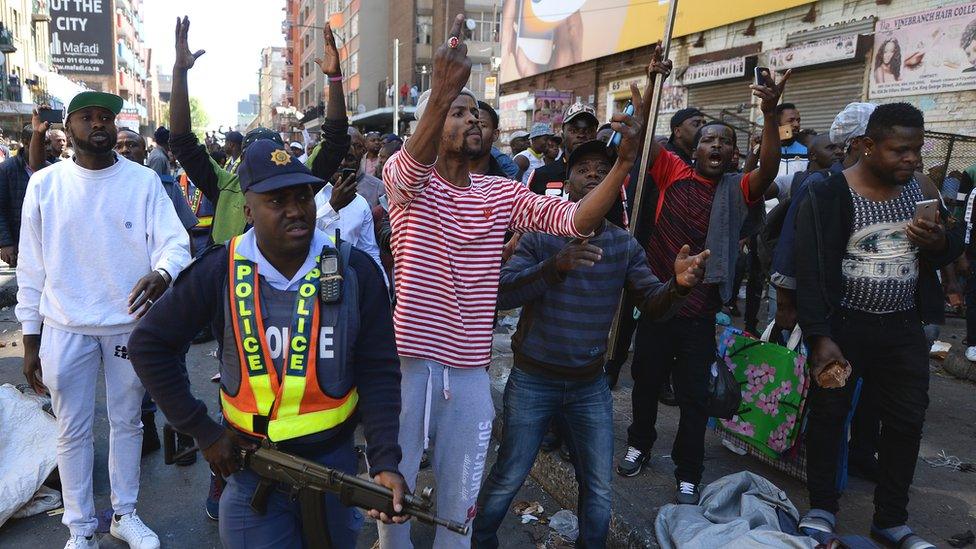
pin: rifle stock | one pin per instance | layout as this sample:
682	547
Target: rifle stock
353	491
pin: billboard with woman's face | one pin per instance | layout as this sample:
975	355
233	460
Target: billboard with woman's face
928	52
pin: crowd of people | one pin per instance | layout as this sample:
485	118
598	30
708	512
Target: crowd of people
355	280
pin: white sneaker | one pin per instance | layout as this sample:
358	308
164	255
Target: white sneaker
81	542
971	354
133	531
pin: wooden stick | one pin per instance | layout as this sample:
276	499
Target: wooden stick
645	160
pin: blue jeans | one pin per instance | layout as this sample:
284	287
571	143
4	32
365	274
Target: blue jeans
281	526
531	401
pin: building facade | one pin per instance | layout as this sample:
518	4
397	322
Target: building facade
25	62
247	110
831	46
272	85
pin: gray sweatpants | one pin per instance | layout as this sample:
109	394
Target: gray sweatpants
453	408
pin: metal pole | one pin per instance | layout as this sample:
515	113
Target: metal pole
637	208
396	86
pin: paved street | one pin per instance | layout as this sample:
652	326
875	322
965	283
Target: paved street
171	498
942	505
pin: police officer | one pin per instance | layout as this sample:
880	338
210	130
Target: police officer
301	360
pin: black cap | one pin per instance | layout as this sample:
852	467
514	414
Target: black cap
234	137
161	136
267	166
684	114
594	147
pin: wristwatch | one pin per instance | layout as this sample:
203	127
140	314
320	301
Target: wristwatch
166	276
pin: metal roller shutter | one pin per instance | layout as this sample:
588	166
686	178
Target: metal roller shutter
821	93
732	97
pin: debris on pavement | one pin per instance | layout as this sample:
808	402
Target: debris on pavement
962	540
565	524
940	350
950	462
527	508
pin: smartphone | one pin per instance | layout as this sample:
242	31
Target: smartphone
785	132
53	116
764	77
616	137
346	172
927	210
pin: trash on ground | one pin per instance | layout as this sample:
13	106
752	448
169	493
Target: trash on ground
940	349
565	524
28	453
962	540
527	508
950	462
529	518
731	446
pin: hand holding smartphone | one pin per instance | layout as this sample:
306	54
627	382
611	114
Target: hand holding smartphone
927	210
616	137
51	116
764	77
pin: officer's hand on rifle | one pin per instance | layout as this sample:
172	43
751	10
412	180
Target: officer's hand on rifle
395	482
224	455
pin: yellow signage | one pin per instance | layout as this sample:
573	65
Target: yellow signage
542	35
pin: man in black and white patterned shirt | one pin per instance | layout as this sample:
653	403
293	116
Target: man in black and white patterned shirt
866	272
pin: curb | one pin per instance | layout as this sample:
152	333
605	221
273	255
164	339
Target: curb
558	479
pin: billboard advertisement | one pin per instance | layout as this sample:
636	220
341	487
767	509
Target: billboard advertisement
543	35
81	36
929	52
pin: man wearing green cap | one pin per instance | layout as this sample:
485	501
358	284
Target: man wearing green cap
88	293
301	360
222	186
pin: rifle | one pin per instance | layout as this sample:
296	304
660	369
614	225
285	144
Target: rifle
311	480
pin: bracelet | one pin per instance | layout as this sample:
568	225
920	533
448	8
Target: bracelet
339	78
166	276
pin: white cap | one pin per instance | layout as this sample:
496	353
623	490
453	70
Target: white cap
422	101
850	123
296	145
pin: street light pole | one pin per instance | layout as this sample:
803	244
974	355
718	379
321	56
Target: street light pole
396	86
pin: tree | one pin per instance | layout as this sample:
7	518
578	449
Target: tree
198	118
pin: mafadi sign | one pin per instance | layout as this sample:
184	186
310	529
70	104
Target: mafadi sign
81	36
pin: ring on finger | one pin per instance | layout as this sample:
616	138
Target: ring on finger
454	42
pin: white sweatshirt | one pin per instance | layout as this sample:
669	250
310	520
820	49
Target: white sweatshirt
86	238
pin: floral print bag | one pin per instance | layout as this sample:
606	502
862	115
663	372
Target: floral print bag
774	387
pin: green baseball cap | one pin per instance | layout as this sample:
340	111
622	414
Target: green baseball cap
87	99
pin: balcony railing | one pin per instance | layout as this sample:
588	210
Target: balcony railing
6	41
41	11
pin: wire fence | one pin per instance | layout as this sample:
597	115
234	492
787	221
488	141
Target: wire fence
944	154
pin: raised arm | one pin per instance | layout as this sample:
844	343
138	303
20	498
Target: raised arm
595	205
194	158
658	65
762	177
335	134
407	173
36	155
179	104
452	68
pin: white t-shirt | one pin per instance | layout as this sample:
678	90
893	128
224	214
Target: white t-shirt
534	162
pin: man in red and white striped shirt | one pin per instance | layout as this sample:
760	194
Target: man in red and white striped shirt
448	230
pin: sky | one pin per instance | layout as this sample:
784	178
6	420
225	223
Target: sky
233	32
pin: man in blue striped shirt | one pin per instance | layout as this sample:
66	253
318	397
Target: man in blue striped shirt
568	290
